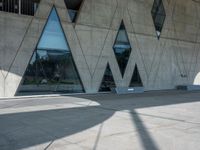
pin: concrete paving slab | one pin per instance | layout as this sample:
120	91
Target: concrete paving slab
149	121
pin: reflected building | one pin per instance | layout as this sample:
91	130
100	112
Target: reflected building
52	68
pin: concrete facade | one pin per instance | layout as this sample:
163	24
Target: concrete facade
148	121
163	64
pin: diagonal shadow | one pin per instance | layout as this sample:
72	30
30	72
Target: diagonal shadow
22	130
147	141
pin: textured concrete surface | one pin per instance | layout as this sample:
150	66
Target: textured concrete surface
149	121
162	64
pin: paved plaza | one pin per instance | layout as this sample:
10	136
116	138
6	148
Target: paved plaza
167	120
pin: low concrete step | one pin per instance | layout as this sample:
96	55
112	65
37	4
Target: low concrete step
189	87
129	90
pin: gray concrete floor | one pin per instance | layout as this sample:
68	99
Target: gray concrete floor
150	121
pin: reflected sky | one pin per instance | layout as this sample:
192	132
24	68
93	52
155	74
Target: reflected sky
53	36
51	68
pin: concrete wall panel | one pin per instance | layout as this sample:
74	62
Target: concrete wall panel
162	64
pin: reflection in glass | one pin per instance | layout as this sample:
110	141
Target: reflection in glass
136	80
108	81
73	7
53	36
158	15
122	48
51	68
72	14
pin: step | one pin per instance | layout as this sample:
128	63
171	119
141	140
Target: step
188	87
129	90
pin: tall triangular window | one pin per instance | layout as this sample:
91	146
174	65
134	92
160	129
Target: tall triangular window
73	7
52	68
108	81
122	48
158	15
136	80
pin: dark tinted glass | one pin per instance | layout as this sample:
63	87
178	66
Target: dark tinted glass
122	48
108	81
73	7
72	14
51	69
136	80
158	15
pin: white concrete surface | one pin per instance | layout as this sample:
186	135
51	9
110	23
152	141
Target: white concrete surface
149	121
163	64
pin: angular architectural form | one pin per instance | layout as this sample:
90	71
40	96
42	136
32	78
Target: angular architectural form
42	51
136	79
51	68
122	48
108	82
158	15
73	7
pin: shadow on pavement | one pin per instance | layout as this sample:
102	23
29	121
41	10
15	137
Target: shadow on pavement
22	130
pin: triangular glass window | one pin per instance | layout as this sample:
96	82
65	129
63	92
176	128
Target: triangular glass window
122	48
108	81
53	36
158	15
73	7
136	80
51	69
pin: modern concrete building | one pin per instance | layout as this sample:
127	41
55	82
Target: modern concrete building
73	46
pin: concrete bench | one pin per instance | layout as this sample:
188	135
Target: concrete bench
189	87
129	90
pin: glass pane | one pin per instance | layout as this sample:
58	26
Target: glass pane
108	81
136	80
53	36
51	70
158	15
30	77
72	14
122	48
68	76
73	7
